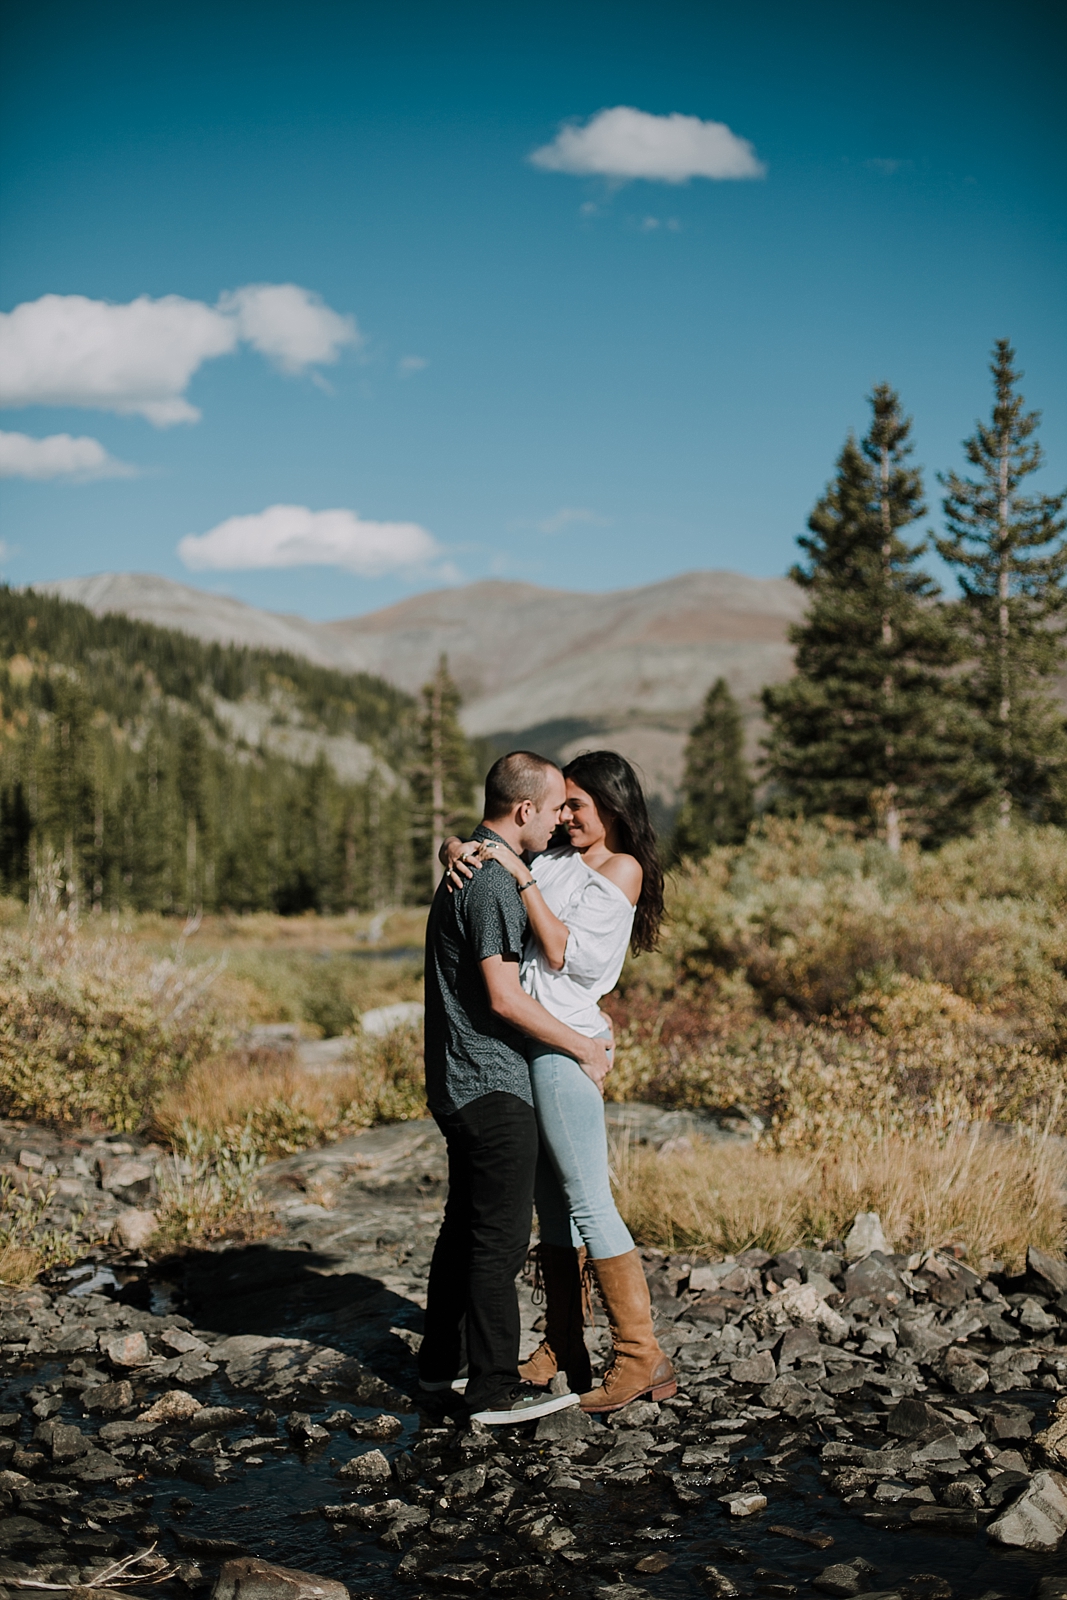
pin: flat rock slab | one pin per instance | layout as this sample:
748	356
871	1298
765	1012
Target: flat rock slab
1038	1519
250	1579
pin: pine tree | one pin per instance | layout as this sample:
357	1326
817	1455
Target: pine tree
1013	600
717	789
443	778
871	728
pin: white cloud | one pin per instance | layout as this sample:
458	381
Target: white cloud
409	364
566	516
58	456
139	358
294	536
290	325
626	143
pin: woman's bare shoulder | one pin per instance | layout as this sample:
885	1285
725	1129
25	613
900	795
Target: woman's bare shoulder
625	873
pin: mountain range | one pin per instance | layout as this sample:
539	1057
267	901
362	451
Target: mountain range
555	669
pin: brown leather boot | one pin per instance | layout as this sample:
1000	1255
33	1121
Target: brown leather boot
639	1370
563	1347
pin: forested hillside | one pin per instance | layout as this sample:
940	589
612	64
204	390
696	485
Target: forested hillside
142	768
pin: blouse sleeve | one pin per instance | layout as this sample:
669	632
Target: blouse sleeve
596	920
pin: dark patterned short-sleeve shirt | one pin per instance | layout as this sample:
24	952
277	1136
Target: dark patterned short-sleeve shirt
470	1051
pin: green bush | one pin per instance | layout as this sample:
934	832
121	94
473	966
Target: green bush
90	1029
829	987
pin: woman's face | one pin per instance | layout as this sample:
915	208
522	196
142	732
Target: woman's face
581	818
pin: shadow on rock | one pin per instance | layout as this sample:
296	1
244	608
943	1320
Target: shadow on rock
270	1292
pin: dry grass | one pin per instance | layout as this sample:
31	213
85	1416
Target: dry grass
285	1108
993	1194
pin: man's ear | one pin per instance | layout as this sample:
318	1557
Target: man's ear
523	812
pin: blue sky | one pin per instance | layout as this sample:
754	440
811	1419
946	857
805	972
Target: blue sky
559	377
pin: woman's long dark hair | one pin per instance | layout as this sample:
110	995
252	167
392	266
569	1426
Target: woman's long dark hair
619	799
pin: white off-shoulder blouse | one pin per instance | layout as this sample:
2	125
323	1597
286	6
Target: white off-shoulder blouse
599	919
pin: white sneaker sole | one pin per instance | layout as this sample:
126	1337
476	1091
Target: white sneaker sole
457	1385
529	1413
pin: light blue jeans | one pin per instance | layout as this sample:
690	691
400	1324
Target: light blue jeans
572	1191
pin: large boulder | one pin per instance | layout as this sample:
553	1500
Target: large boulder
248	1578
1038	1519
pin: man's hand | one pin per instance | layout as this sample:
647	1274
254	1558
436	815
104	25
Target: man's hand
595	1061
509	1000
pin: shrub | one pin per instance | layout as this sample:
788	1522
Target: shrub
90	1028
828	986
267	1097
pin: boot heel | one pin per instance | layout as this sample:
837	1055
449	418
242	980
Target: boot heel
664	1391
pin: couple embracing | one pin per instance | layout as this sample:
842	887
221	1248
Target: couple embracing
525	937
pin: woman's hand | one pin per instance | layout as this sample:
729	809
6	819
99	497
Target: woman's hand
489	850
458	857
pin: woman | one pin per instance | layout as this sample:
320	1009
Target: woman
586	901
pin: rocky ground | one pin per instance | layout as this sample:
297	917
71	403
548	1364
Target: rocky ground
849	1421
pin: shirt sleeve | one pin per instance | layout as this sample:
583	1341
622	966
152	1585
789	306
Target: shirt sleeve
494	914
596	920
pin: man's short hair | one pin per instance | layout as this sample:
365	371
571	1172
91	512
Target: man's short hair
519	776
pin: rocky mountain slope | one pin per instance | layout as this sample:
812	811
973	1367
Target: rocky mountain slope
548	667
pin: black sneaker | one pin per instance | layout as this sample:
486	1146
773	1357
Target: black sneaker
524	1404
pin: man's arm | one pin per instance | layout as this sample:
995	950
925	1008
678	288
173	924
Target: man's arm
509	1001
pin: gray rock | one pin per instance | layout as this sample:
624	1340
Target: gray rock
963	1375
1051	1268
921	1338
406	1522
745	1503
717	1583
845	1578
127	1350
638	1414
941	1448
134	1228
1007	1485
248	1578
1006	1422
945	1519
382	1426
563	1427
95	1466
68	1443
523	1580
459	1577
370	1468
109	1396
759	1369
874	1277
797	1344
24	1533
864	1236
1038	1519
461	1487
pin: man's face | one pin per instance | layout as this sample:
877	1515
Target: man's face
541	824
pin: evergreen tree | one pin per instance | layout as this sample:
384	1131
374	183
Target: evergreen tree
443	778
871	728
717	789
1013	600
119	775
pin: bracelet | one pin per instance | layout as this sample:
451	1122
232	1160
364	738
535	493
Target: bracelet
528	885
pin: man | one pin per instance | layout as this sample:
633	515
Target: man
478	1089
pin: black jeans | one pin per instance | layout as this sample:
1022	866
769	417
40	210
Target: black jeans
492	1156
